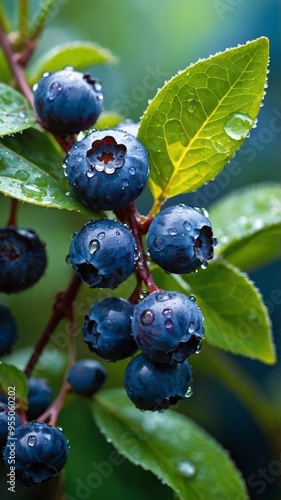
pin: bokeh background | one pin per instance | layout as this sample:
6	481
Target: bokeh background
152	41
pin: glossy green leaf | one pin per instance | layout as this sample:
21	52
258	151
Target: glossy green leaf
201	117
78	54
247	224
235	317
5	71
14	383
15	112
107	119
31	171
174	448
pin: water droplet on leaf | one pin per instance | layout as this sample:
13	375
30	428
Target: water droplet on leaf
238	125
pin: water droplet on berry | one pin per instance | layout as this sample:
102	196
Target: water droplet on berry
199	347
45	74
94	245
35	87
181	207
101	235
191	328
162	296
169	324
54	90
158	244
144	293
31	441
125	183
90	173
189	392
172	231
132	170
187	225
167	313
192	297
238	125
204	264
147	317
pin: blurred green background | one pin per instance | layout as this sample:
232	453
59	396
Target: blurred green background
152	41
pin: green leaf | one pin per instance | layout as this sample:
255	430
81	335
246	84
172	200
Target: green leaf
247	224
236	319
31	171
5	71
201	117
15	113
14	383
78	54
170	445
108	119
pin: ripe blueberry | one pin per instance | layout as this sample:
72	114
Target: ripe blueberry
40	450
8	330
86	377
180	239
5	421
68	101
107	329
103	253
167	326
108	169
39	397
22	259
154	386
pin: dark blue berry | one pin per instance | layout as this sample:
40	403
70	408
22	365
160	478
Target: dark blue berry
13	420
154	386
167	327
68	101
108	329
39	397
103	253
86	377
22	259
180	239
8	330
108	169
40	452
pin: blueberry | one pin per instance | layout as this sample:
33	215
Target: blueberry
107	329
153	386
13	420
180	239
22	259
68	101
108	169
39	397
103	253
8	330
86	377
40	452
167	326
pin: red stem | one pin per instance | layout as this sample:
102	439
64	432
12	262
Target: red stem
12	222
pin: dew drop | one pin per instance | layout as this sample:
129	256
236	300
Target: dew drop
191	328
32	191
189	392
199	347
167	313
185	468
191	105
238	125
54	90
22	175
204	264
162	296
125	183
94	245
132	170
192	297
101	235
158	244
22	115
220	147
181	207
45	74
172	231
90	173
187	225
31	441
78	157
169	324
68	194
147	317
35	87
144	293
